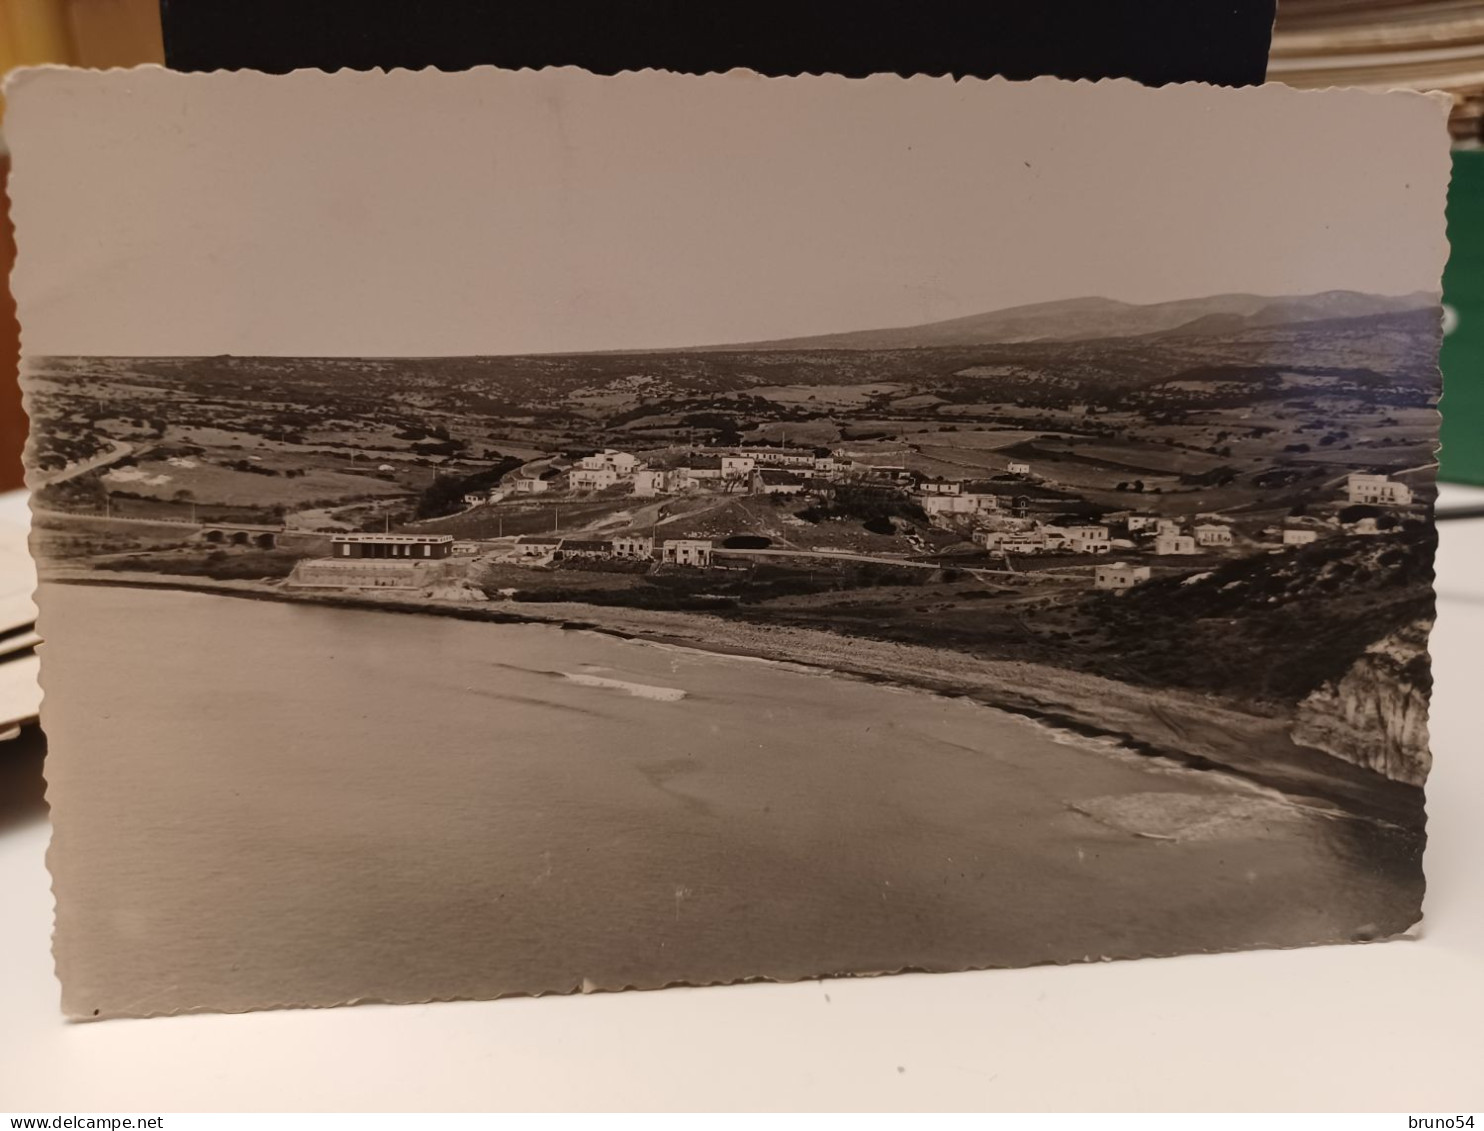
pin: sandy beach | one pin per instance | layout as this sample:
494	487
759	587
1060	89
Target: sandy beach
1198	731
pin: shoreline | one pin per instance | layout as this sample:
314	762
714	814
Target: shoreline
1196	731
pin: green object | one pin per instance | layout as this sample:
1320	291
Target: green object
1463	348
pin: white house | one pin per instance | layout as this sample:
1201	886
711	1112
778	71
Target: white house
774	481
1174	544
1088	546
625	463
1084	543
686	552
737	467
1166	526
537	545
620	463
1092	532
1213	534
592	478
1297	536
1134	523
633	546
940	486
1012	541
649	481
1378	490
475	498
530	486
958	504
1015	468
1118	575
1087	539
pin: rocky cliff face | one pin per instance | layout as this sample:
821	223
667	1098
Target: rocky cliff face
1375	715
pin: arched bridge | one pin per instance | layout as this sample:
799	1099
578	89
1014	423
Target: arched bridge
220	533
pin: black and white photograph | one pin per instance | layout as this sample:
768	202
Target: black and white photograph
533	533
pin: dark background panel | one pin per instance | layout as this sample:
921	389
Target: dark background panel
1154	41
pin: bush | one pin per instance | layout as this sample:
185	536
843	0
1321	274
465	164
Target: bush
866	504
245	565
445	495
439	447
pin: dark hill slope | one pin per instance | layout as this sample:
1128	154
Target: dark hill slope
1274	627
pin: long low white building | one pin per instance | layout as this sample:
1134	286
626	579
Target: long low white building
958	503
686	551
1012	541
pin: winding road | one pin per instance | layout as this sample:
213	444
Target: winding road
119	450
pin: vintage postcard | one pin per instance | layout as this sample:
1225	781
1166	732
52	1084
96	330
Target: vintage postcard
519	533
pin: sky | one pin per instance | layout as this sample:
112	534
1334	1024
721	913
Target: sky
490	212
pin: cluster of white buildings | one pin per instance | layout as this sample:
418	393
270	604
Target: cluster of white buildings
954	497
1167	536
1038	538
759	471
1361	488
939	496
596	472
1157	534
602	470
1164	536
543	548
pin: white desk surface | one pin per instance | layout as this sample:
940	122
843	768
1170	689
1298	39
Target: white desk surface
1380	1027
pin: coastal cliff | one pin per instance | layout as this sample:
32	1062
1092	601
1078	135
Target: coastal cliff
1375	715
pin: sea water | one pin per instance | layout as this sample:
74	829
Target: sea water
270	803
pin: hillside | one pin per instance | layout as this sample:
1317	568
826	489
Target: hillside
1400	346
1277	627
1272	629
1086	319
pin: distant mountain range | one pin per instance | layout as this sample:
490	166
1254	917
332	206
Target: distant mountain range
1085	319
